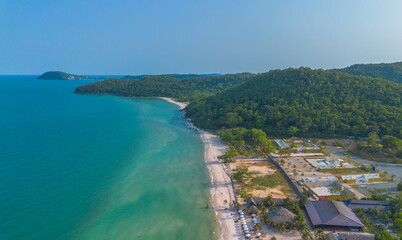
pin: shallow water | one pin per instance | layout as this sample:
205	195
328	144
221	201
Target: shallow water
97	167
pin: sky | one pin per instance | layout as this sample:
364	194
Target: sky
195	36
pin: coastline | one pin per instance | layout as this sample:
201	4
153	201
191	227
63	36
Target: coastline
222	195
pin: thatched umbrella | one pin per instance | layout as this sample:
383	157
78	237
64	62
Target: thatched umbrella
280	215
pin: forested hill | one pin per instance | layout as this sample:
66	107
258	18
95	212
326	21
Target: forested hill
57	75
387	71
178	76
305	102
187	89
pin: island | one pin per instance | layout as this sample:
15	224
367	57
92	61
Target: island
57	75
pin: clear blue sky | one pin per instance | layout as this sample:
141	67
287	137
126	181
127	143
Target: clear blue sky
195	36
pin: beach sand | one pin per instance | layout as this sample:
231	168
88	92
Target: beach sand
222	188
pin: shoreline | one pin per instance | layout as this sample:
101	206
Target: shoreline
222	195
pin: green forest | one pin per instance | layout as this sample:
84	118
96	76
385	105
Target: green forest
184	89
304	102
178	76
388	71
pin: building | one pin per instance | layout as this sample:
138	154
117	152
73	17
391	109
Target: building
281	144
317	179
368	204
332	215
329	190
363	178
329	163
349	236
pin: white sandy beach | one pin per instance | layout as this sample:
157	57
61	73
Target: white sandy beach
222	189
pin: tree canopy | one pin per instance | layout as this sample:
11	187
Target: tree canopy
305	102
388	71
185	89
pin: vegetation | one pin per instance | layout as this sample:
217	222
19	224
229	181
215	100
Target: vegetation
293	206
388	146
388	71
245	142
57	75
184	89
392	217
249	181
305	102
178	76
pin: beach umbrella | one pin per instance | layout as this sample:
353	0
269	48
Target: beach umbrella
253	215
242	218
254	220
258	234
240	211
247	235
246	231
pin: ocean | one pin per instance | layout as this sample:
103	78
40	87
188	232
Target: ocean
98	167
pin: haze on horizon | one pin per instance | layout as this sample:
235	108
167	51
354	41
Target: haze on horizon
155	36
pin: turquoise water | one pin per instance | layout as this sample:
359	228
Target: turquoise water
97	167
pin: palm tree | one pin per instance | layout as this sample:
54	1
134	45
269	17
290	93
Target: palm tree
319	234
281	226
306	234
273	238
393	177
258	227
289	225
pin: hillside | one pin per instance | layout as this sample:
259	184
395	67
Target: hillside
387	71
57	75
305	102
186	89
178	76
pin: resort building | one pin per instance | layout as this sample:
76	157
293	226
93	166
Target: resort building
329	190
329	163
281	144
332	215
368	204
317	179
363	178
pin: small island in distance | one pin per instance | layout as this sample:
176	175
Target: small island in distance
57	75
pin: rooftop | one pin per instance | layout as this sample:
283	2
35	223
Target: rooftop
280	215
332	213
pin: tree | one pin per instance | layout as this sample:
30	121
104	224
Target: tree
390	142
306	234
303	200
258	227
281	226
293	130
372	139
273	238
319	234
